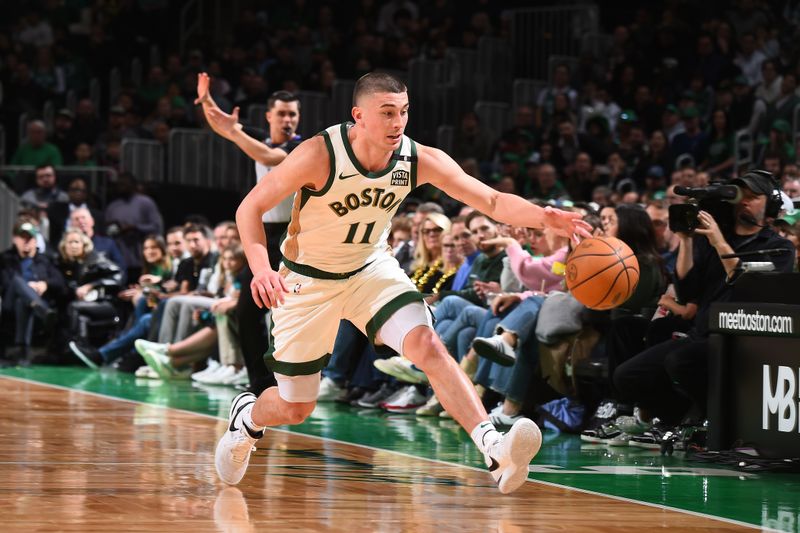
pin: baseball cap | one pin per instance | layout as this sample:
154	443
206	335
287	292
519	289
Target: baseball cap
671	108
781	126
25	229
117	110
64	112
756	182
790	219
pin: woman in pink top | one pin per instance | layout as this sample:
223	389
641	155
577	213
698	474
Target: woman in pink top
541	273
501	343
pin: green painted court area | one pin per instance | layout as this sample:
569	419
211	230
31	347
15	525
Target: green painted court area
765	500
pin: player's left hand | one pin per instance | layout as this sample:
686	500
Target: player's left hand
567	224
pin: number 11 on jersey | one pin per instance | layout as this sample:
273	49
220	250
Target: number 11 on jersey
351	234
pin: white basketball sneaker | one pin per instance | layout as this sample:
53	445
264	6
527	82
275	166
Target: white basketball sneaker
508	458
238	442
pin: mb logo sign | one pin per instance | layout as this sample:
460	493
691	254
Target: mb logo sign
782	400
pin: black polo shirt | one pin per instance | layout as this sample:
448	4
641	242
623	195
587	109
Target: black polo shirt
189	270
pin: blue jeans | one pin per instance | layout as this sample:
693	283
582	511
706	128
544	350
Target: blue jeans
522	319
352	359
141	308
447	311
457	338
350	343
124	343
19	299
514	381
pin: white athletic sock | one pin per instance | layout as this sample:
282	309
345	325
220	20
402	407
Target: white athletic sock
484	435
247	418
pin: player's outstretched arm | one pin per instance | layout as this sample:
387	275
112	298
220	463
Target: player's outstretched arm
307	166
228	126
439	169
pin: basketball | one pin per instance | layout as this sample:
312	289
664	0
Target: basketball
602	272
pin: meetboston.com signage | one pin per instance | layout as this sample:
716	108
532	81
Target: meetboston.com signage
759	375
756	319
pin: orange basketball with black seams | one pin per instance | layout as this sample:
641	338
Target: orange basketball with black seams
602	272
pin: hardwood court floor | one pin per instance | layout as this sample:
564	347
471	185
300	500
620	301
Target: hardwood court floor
72	461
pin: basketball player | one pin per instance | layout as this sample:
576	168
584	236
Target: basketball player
350	180
283	117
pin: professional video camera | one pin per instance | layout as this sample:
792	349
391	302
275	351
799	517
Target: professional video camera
716	199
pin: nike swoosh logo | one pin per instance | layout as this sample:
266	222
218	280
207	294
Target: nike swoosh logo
492	467
239	410
343	177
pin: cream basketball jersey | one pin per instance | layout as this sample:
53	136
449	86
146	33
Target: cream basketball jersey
339	229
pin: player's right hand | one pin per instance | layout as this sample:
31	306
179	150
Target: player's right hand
268	288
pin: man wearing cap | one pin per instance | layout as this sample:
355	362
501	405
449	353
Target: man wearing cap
27	280
661	378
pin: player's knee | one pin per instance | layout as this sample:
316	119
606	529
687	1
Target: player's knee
423	347
296	413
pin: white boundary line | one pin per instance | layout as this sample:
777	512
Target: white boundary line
547	483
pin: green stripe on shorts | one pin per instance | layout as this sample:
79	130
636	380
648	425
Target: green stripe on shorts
389	309
305	368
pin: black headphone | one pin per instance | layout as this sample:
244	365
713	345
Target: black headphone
774	199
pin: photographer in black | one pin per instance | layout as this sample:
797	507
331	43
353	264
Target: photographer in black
670	379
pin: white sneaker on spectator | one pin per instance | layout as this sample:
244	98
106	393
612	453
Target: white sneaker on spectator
499	418
509	456
391	400
234	448
497	408
328	390
220	376
155	355
408	402
211	366
156	347
432	407
400	368
495	349
214	376
239	378
146	372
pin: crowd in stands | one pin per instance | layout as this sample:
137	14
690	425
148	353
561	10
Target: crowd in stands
110	286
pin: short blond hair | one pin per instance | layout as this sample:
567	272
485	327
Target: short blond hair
88	245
